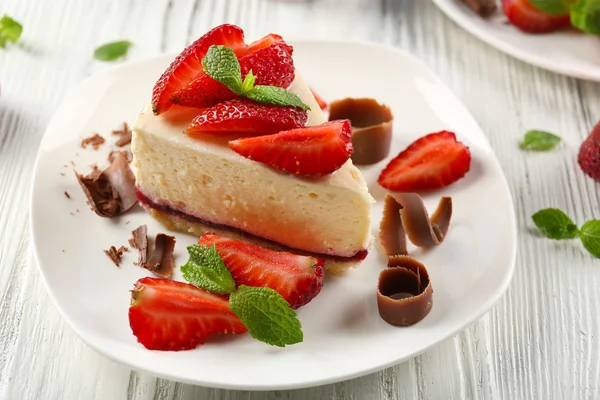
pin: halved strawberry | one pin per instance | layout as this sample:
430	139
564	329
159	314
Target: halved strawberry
523	15
322	103
311	151
432	162
246	117
188	65
272	65
170	315
298	279
589	154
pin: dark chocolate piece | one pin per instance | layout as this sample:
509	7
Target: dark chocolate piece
160	258
122	179
371	128
484	8
404	293
126	153
391	231
95	141
67	195
115	254
139	241
125	135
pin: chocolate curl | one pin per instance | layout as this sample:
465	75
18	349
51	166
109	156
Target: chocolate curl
404	293
404	214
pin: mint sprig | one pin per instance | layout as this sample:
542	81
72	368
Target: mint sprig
539	141
222	65
267	316
10	30
112	51
555	224
552	7
205	269
585	15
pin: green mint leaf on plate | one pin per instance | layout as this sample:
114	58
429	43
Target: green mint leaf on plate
112	51
555	224
248	83
206	270
585	15
552	7
590	236
221	64
275	95
539	141
10	30
267	315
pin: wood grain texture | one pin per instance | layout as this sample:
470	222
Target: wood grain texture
539	342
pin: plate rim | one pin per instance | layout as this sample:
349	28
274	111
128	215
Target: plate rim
483	308
462	21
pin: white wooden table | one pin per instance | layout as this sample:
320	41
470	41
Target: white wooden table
540	342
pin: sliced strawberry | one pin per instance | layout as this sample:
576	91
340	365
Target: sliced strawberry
589	154
271	65
246	117
262	43
188	65
523	15
322	103
297	278
170	315
312	151
432	162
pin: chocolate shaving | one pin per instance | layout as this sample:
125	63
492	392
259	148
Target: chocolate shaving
116	255
67	195
125	134
404	214
111	192
404	293
124	153
484	8
156	255
95	140
371	128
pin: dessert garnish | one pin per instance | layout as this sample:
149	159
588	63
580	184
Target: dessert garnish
10	30
404	214
537	16
432	162
124	153
171	315
167	315
67	195
371	127
555	224
95	141
246	117
589	154
112	51
322	103
154	255
312	151
404	293
298	279
111	192
124	140
115	254
539	141
485	8
139	241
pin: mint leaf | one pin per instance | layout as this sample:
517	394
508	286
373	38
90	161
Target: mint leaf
275	95
267	315
552	7
590	237
585	15
539	141
248	83
221	64
10	30
205	269
112	51
555	224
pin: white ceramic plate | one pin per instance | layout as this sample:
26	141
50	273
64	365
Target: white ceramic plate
566	52
344	336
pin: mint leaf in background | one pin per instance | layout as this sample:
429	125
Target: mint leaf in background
206	270
10	30
585	15
221	64
590	236
539	141
552	7
275	95
112	51
267	315
555	224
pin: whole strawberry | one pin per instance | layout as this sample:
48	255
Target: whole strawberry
589	154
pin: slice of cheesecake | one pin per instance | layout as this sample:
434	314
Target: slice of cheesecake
198	184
